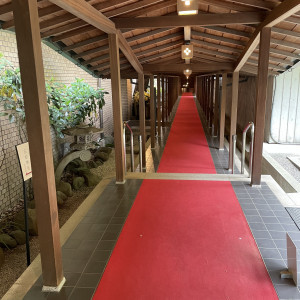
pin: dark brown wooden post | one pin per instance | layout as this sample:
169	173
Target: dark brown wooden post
158	106
216	113
233	115
211	100
260	107
38	129
152	111
142	116
117	106
163	101
223	111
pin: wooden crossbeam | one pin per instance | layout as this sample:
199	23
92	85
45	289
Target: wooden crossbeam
194	20
280	13
158	48
160	55
194	67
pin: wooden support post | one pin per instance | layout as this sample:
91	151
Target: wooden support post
208	99
117	107
142	117
163	100
38	129
158	106
223	111
152	111
260	107
167	99
211	100
216	113
233	115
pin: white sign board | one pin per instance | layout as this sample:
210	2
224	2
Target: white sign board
24	158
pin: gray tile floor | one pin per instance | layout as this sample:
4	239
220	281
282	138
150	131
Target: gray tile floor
269	222
89	247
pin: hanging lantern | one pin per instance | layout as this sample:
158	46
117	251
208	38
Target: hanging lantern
187	51
187	72
187	7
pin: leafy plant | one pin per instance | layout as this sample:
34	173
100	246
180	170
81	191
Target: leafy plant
11	93
68	105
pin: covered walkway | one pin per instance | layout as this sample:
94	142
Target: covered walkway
181	233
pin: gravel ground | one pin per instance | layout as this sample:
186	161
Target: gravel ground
282	159
15	259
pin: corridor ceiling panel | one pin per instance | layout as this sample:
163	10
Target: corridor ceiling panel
151	34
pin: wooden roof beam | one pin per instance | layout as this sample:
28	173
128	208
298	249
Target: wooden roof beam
86	42
228	67
160	55
214	52
217	46
193	20
92	16
280	13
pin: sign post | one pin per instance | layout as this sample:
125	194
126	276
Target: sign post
25	165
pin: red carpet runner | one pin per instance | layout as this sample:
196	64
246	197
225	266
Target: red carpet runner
187	150
185	240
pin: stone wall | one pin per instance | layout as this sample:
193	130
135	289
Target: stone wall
61	70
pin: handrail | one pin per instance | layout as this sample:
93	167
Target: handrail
234	137
140	150
250	125
125	124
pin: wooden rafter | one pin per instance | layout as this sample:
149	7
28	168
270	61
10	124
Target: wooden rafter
92	16
280	13
194	20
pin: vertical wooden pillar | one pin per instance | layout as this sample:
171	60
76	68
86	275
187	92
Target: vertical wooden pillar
38	129
142	117
163	100
167	99
152	111
260	107
216	113
211	100
158	106
117	106
208	100
233	115
223	111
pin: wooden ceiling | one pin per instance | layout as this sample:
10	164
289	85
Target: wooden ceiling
223	34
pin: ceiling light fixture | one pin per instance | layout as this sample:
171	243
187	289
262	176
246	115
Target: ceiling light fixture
187	7
187	51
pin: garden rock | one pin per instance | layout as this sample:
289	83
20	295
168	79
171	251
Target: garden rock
78	182
65	188
60	202
92	164
102	155
82	171
7	241
105	150
32	223
99	162
91	179
61	195
19	236
1	257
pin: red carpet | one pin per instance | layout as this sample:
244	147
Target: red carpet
185	240
187	150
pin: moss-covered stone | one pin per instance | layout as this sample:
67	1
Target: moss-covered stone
92	164
6	241
32	222
31	204
91	179
65	188
102	155
78	182
61	195
105	150
19	236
